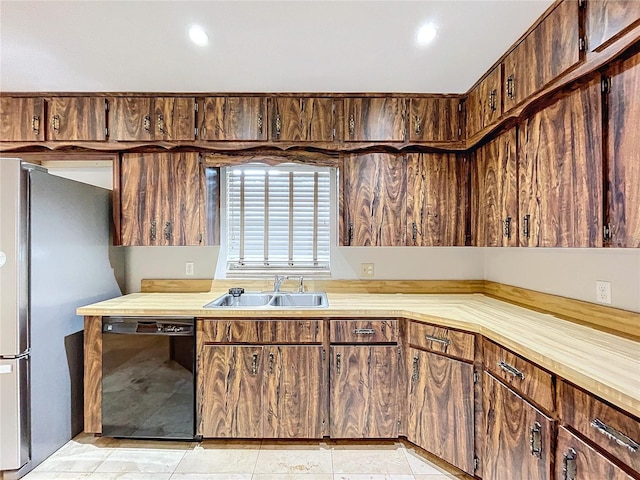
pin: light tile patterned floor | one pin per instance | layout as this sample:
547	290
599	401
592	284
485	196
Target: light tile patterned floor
94	458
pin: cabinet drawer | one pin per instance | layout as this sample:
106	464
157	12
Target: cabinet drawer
442	340
229	331
614	431
364	331
522	375
292	331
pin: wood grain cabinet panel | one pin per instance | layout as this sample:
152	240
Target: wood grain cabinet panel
174	118
623	154
364	389
363	331
374	199
484	103
374	119
560	172
494	192
437	199
575	460
606	19
302	119
130	119
442	340
518	438
292	331
441	407
230	331
22	119
77	119
434	119
232	118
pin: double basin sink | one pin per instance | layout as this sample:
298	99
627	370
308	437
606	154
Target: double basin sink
271	300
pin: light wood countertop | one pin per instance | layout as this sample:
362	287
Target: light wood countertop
604	364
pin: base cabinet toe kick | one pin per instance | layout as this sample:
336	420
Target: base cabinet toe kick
483	409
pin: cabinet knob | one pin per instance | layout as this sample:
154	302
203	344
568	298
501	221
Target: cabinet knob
416	367
536	440
260	123
168	230
492	100
35	124
510	87
414	232
525	226
569	466
615	435
352	125
338	361
271	359
507	227
152	235
416	124
55	123
254	364
350	234
278	125
147	123
161	124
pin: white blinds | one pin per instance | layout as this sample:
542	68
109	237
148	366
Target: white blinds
278	217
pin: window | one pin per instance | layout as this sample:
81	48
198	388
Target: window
278	218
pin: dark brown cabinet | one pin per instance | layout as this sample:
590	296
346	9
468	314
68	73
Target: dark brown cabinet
77	119
484	103
374	119
434	119
623	154
374	199
437	199
560	172
302	119
147	119
494	192
22	119
232	119
606	19
162	199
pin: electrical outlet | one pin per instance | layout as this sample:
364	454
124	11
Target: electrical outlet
366	270
188	268
603	292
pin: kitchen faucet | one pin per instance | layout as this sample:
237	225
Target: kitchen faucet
278	281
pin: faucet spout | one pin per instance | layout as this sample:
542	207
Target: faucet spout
277	282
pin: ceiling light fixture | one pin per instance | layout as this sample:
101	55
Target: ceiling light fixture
198	35
426	34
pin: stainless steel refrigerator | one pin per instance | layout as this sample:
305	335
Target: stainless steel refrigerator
54	257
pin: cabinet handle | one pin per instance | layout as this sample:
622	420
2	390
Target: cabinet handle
55	123
254	364
507	227
416	367
153	231
492	100
510	87
338	360
442	340
615	435
510	369
161	124
364	331
278	125
536	440
350	233
260	123
35	124
569	466
167	231
147	123
271	357
414	232
352	125
416	124
525	226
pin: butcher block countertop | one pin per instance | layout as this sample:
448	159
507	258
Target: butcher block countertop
604	364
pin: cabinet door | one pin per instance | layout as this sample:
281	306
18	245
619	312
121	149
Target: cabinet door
293	391
519	78
21	119
374	199
302	119
182	199
441	405
623	152
560	172
434	119
230	391
575	460
517	436
374	119
494	193
364	382
174	118
437	199
606	19
232	118
484	103
77	118
130	119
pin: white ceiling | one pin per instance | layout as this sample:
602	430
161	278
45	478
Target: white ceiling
255	46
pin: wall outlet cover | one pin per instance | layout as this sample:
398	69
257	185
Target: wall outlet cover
188	268
366	270
603	292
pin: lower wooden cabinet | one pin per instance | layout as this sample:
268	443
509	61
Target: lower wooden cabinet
518	437
364	391
441	407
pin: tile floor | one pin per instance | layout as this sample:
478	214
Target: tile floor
95	458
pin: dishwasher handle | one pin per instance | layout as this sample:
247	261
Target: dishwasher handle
170	326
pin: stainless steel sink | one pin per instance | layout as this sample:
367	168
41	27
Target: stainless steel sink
271	300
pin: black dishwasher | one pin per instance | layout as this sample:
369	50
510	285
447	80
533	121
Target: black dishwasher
148	377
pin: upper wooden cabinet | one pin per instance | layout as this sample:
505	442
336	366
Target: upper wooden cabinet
494	192
484	103
550	50
21	119
560	172
232	118
623	153
434	119
437	199
146	119
374	119
302	119
605	19
77	119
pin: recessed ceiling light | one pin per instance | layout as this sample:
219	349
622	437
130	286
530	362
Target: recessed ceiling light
198	35
426	34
